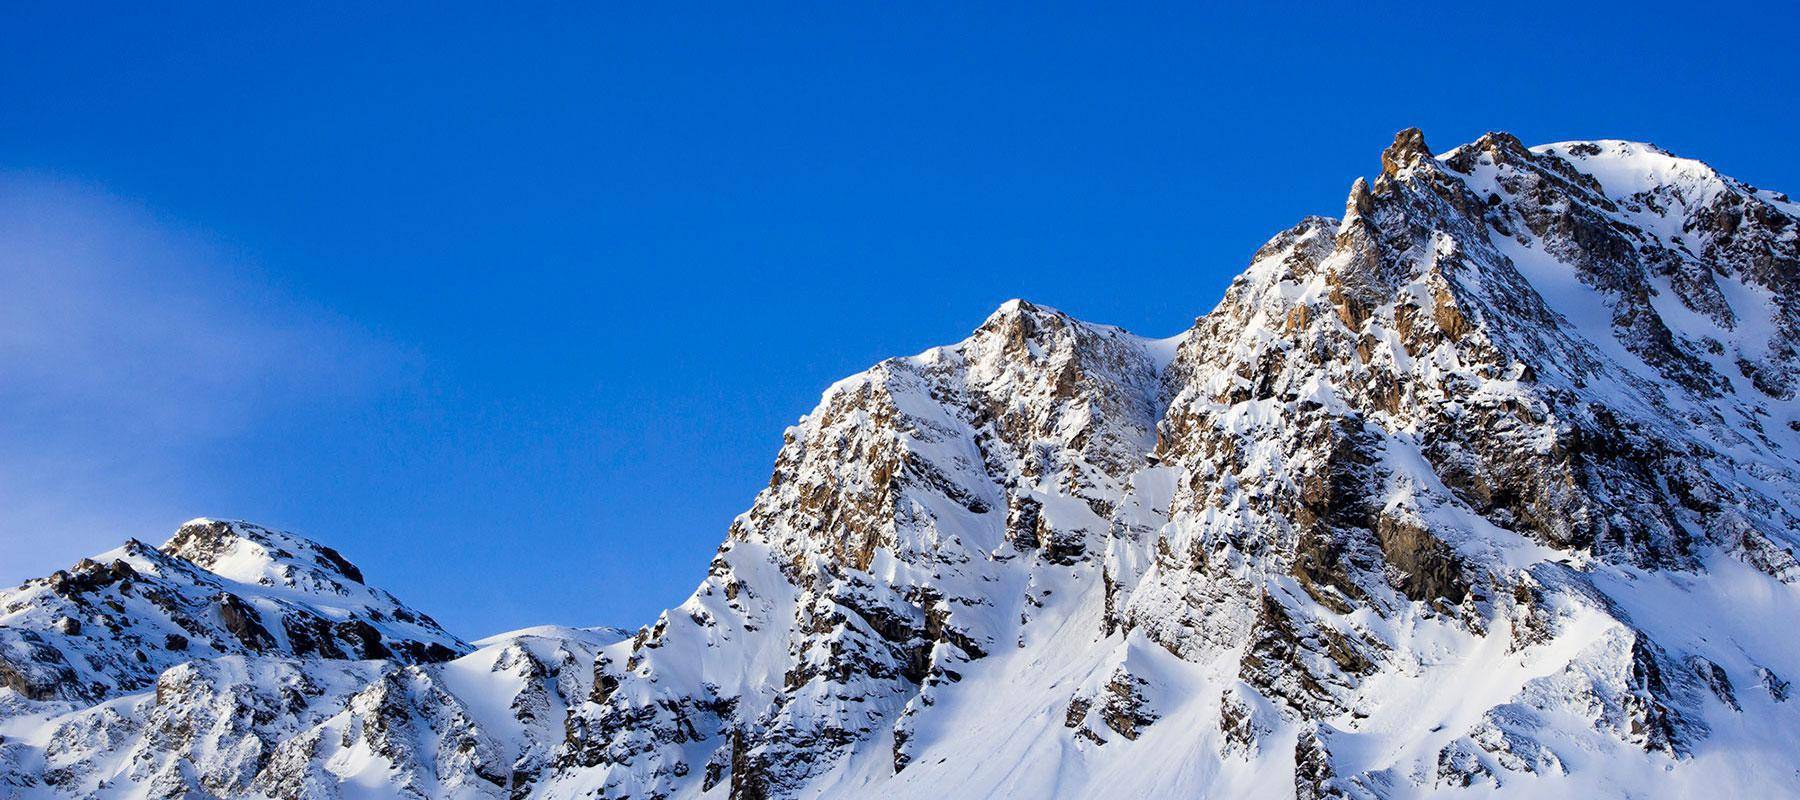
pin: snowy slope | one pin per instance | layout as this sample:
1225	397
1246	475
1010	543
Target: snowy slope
1483	488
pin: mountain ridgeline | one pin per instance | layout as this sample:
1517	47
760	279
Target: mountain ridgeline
1485	487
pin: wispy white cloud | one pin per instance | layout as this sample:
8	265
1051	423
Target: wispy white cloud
129	344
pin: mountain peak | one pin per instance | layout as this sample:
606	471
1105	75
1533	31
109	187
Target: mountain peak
1408	149
1017	308
246	552
216	588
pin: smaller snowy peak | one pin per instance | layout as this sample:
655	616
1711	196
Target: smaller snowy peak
1683	200
1021	332
1679	274
251	553
1628	168
594	636
1016	323
1018	311
1016	307
1019	322
1019	341
1033	401
112	623
1046	376
284	565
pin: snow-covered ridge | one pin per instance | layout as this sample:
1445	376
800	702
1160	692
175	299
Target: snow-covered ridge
112	623
1483	487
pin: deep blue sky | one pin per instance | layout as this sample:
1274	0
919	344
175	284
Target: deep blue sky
512	307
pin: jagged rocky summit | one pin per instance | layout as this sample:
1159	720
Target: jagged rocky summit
1485	488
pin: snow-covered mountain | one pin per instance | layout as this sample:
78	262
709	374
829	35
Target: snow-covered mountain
1487	487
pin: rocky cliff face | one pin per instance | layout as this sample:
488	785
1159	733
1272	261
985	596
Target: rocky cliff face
1485	486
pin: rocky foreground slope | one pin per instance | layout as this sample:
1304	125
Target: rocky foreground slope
1487	487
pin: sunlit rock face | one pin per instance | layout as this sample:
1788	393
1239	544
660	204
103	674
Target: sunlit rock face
1486	486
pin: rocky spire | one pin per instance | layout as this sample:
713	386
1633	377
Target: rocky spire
1359	203
1408	149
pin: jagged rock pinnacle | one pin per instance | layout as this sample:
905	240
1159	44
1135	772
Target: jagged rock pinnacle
1359	203
1408	149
